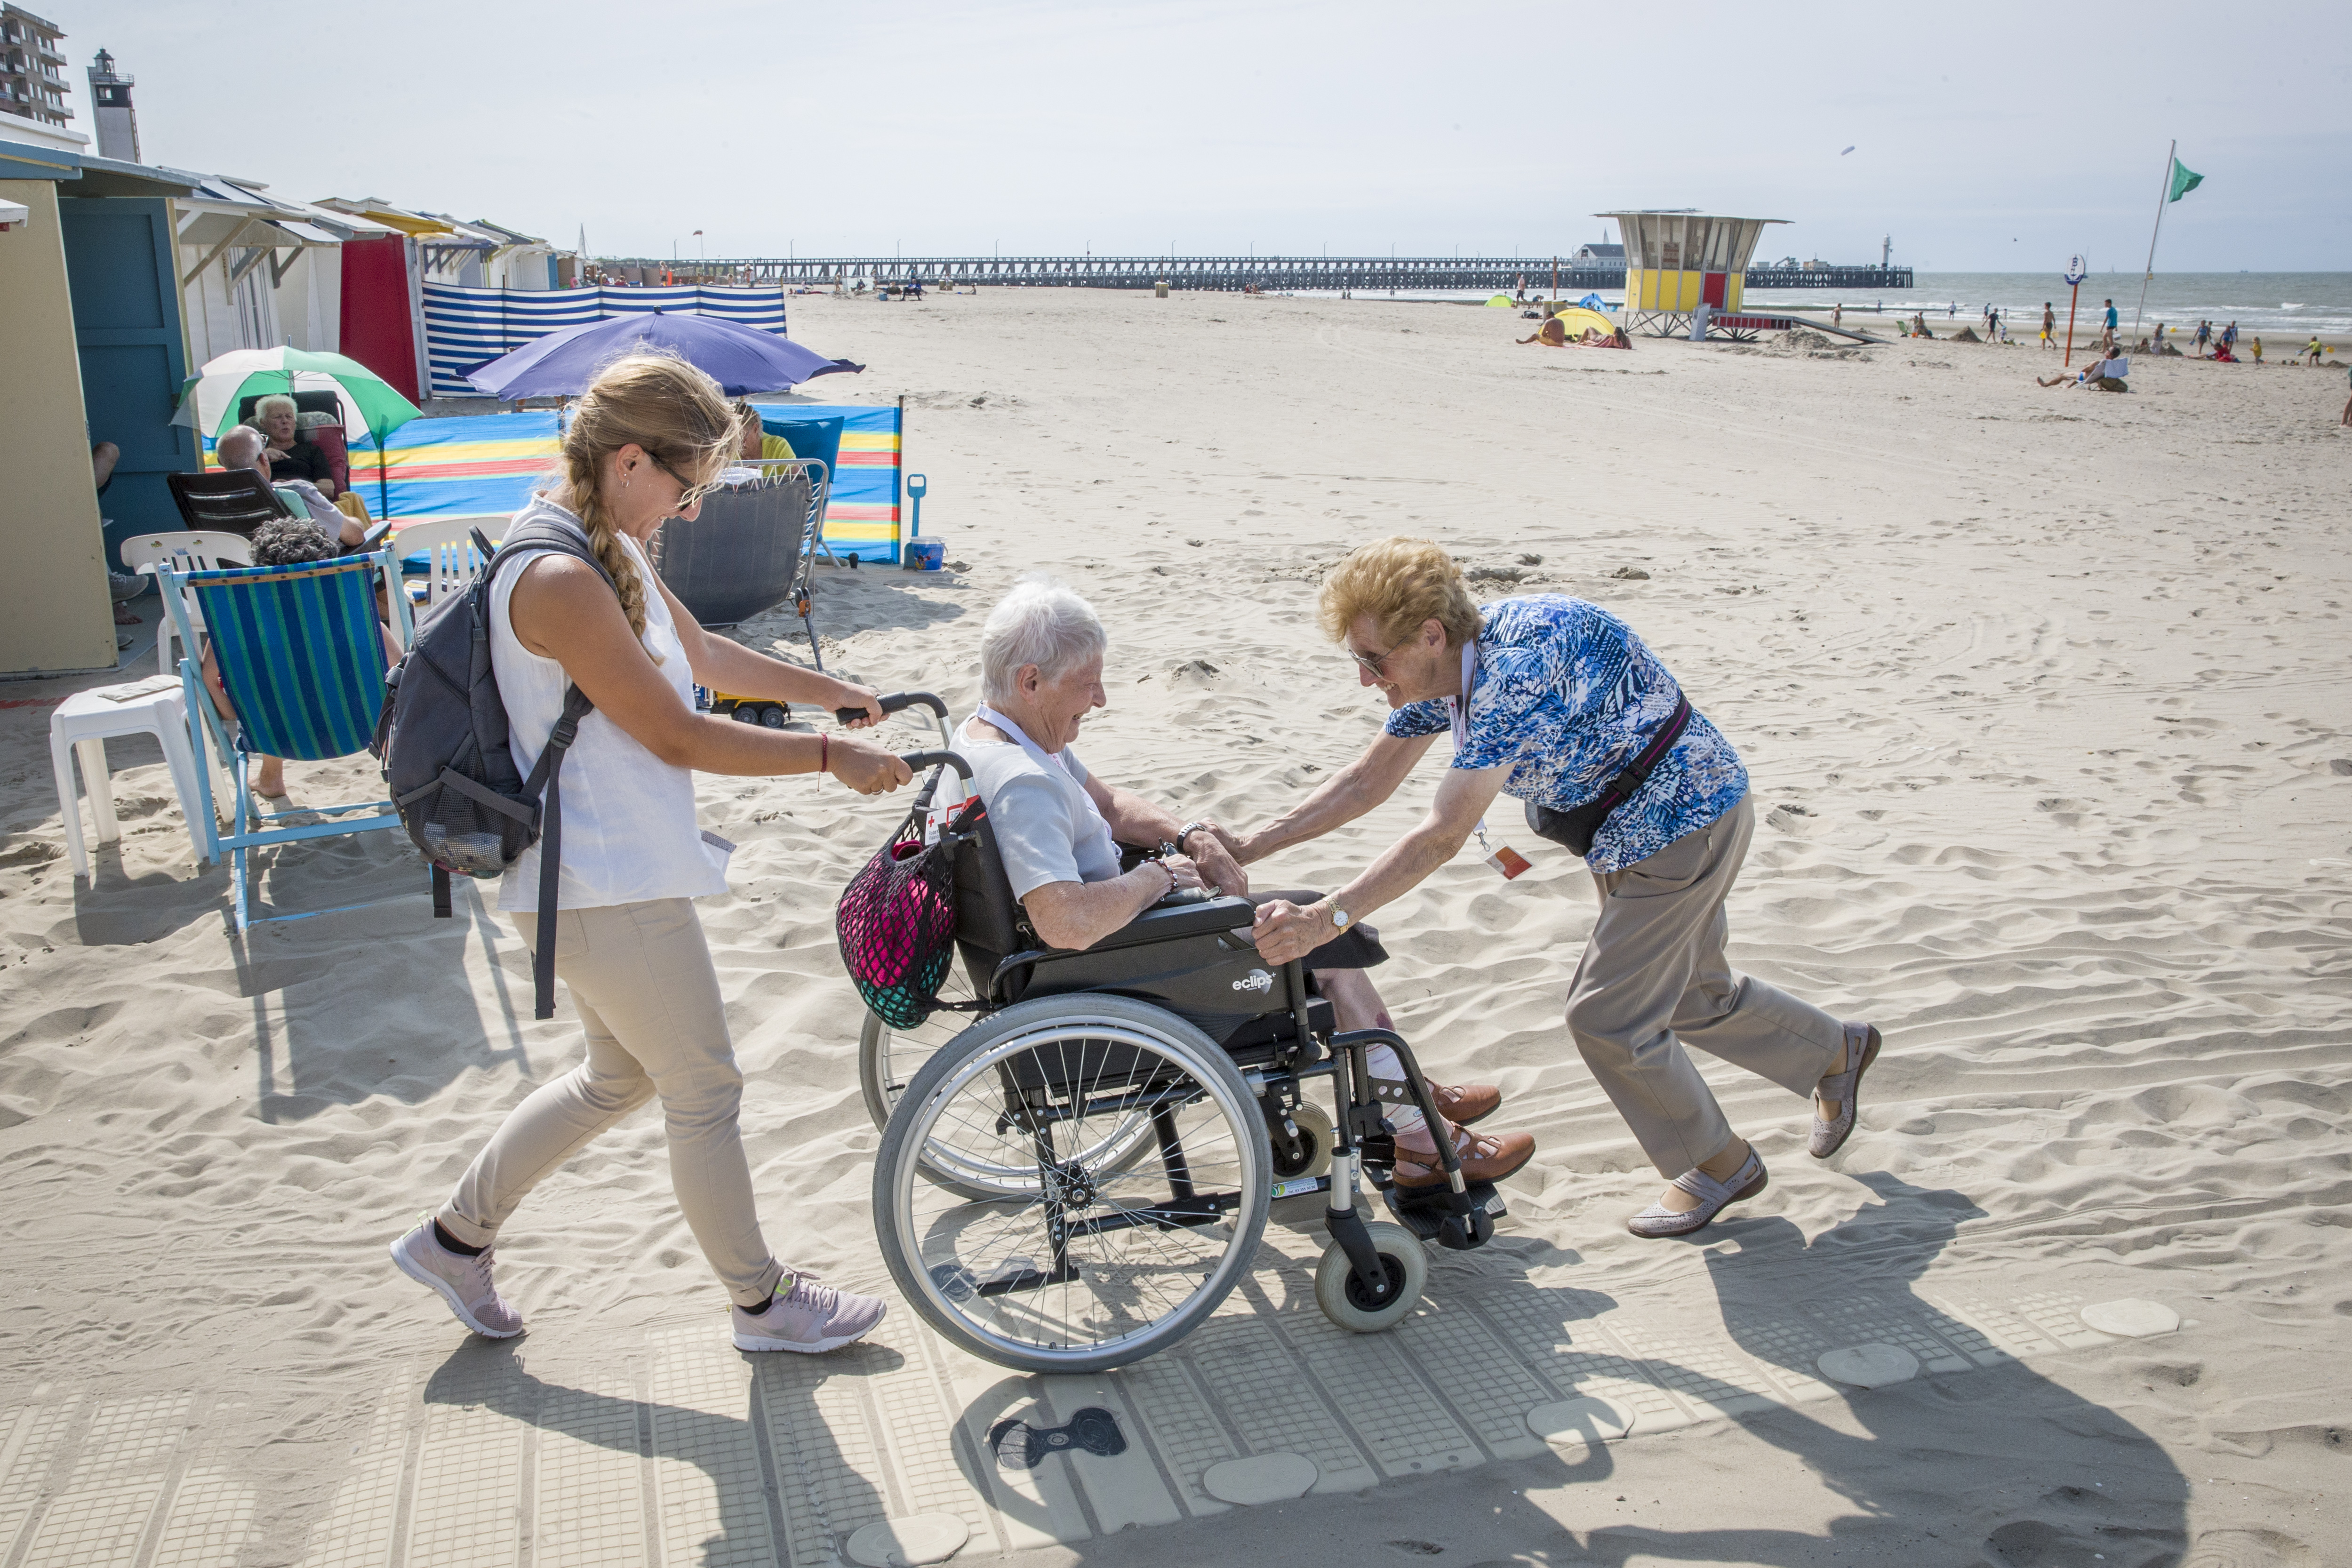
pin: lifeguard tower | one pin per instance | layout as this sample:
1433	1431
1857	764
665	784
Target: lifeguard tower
1676	259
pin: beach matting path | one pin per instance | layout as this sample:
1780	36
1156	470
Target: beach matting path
2046	703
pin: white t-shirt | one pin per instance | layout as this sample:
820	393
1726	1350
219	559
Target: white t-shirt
1046	828
629	834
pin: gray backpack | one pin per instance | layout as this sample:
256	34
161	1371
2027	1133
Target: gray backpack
442	739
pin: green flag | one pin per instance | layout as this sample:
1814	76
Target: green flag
2184	180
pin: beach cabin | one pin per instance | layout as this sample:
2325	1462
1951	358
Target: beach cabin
58	617
1677	259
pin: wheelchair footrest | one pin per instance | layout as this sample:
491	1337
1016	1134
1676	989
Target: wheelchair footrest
1425	1213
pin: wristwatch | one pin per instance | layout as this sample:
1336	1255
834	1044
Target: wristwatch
1340	919
1187	831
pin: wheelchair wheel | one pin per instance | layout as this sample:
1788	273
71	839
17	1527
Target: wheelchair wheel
1345	1300
887	1061
1074	1264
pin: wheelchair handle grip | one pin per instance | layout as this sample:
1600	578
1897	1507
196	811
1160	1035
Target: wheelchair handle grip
918	761
895	702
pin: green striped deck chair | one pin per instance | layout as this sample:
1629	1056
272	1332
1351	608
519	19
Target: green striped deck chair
302	661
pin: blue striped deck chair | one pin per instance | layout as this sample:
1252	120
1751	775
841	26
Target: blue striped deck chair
302	660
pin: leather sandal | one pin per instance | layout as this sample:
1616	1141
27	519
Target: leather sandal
1830	1136
1464	1103
1484	1157
1714	1197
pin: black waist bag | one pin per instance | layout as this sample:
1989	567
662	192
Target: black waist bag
1576	830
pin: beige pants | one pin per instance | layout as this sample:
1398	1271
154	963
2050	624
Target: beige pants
641	976
1653	979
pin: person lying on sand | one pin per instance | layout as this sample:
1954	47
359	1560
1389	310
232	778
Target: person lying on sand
2105	374
1553	333
1557	702
1058	829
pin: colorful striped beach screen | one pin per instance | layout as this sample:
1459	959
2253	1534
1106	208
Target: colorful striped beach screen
468	328
489	463
863	517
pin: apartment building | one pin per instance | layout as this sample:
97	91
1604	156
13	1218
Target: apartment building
31	68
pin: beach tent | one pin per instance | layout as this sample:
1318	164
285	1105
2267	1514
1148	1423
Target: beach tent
1575	318
1499	302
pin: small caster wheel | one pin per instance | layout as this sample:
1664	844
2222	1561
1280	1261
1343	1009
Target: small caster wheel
1345	1300
1315	1141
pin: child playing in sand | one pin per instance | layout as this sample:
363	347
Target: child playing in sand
2314	349
2257	347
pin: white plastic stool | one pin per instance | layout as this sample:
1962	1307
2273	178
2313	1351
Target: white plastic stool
82	725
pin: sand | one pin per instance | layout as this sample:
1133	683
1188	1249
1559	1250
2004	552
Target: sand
2045	698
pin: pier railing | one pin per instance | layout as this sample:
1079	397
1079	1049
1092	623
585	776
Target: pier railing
1360	274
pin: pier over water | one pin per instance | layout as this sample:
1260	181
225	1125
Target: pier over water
1358	274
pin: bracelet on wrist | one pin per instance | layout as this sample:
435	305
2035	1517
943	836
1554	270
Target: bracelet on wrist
823	753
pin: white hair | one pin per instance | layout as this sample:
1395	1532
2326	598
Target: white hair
247	438
1041	622
270	404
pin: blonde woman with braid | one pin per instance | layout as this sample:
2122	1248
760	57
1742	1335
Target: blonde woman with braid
648	438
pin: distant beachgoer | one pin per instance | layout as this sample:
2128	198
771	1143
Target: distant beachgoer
2049	326
2111	318
2312	349
1553	333
2347	402
2257	348
2103	374
2222	354
627	941
2204	335
2230	336
1992	322
1919	325
1837	311
1953	310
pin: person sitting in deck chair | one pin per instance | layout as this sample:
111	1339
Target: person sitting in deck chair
284	541
1552	334
1054	824
244	447
759	444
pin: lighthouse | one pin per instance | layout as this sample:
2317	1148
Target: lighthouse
118	124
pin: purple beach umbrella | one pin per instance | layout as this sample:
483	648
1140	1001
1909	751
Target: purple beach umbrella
740	359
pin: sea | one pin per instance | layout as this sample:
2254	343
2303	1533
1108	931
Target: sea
2270	304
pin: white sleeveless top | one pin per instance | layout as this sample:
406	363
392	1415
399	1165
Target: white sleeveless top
628	816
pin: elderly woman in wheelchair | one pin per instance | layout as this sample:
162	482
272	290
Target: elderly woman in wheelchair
1076	1179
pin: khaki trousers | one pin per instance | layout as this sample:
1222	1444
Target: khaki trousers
1653	979
641	976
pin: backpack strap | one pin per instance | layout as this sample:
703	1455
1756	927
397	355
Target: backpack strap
546	774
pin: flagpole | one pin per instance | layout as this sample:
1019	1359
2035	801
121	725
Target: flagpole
2164	190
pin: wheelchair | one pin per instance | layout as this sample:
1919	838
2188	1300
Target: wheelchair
1079	1154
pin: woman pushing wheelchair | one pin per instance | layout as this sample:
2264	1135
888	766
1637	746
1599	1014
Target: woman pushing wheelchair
1556	702
1059	829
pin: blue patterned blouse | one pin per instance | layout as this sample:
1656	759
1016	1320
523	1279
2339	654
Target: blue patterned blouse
1566	696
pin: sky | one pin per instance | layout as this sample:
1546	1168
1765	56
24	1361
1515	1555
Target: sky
1993	137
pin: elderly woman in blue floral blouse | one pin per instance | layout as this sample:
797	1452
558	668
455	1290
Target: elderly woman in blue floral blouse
1556	702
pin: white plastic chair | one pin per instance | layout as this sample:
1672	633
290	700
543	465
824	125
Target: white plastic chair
80	728
448	542
182	552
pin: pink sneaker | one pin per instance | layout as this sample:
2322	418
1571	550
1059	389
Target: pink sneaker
809	1318
464	1282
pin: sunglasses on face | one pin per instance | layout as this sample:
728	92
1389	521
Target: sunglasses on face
688	494
1371	662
